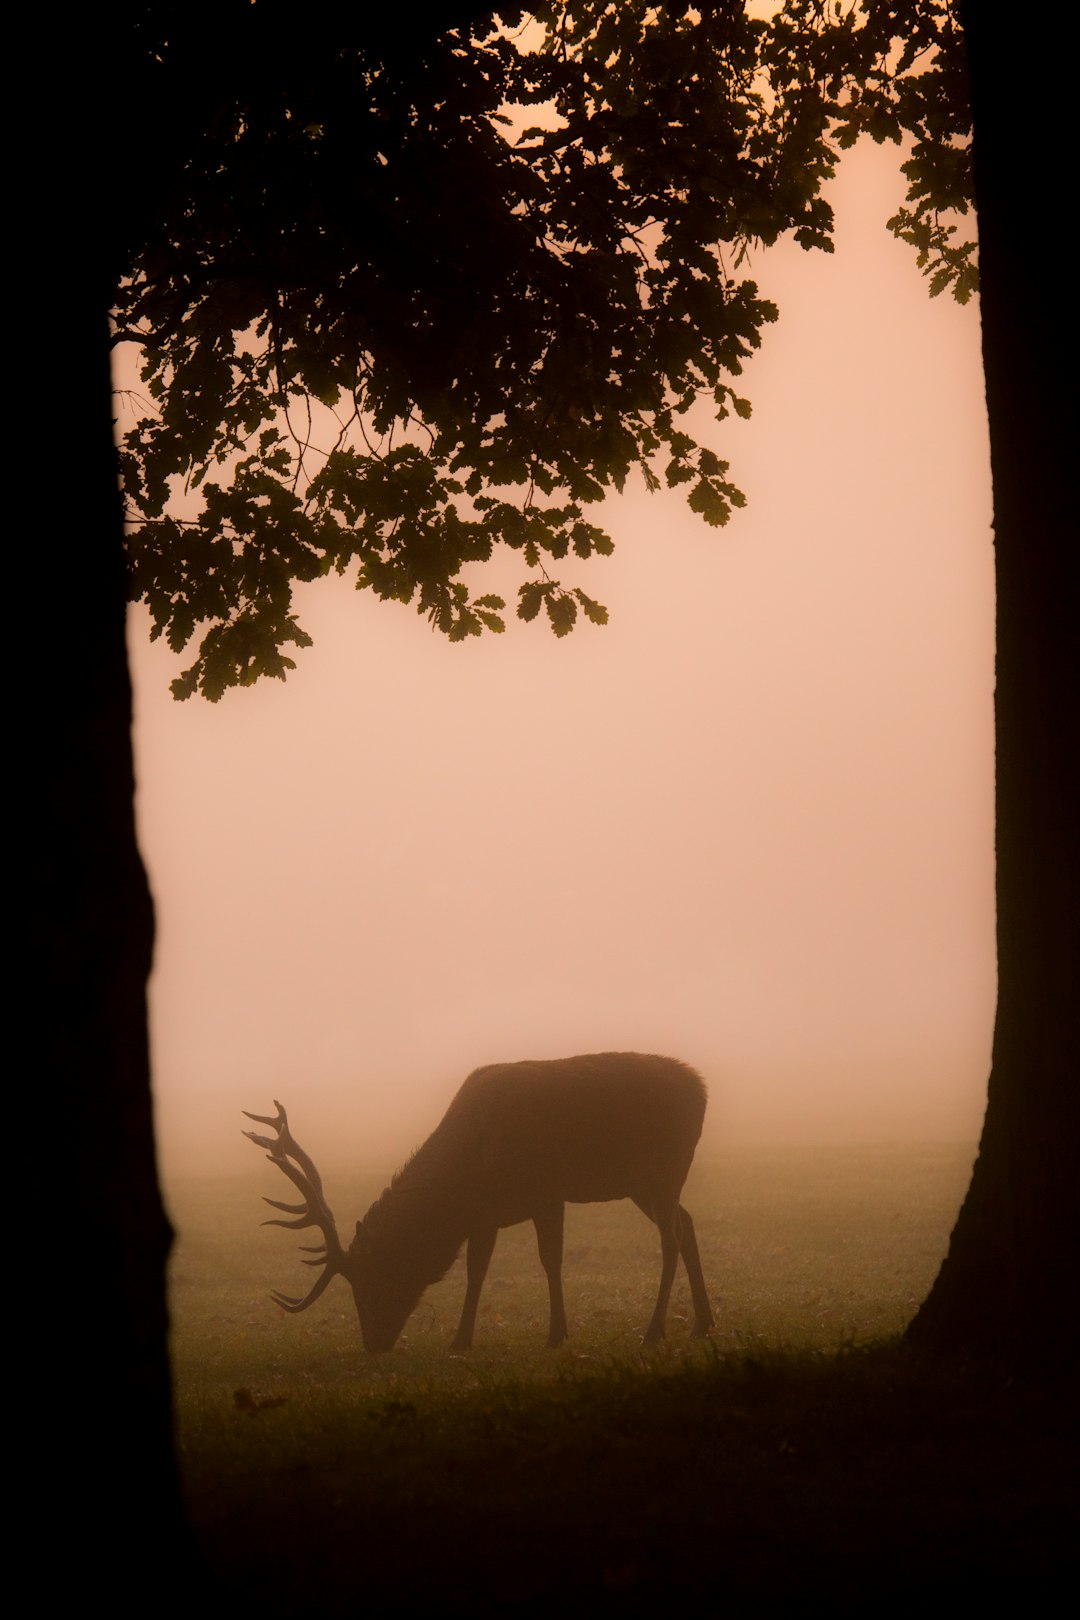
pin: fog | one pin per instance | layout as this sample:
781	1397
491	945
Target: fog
747	824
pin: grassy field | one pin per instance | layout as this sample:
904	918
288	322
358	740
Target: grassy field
802	1248
796	1454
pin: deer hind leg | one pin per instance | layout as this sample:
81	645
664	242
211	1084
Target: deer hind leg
480	1248
667	1216
703	1316
549	1241
687	1247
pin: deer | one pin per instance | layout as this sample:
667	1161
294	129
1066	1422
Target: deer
518	1142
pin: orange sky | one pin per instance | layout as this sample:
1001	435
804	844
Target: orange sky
748	824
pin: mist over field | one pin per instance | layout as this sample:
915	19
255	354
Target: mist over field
747	824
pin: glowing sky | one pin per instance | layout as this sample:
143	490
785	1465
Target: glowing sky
749	823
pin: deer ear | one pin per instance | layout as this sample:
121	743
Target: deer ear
361	1242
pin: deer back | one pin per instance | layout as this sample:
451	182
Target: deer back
579	1130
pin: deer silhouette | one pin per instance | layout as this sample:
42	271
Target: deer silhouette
517	1143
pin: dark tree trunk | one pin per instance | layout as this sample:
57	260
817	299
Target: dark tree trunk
111	1375
107	1469
1008	1284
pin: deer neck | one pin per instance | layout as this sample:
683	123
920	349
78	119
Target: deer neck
421	1220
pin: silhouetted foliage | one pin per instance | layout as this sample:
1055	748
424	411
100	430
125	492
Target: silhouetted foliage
405	301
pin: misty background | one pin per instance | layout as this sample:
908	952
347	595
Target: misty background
748	824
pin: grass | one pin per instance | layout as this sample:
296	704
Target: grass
798	1454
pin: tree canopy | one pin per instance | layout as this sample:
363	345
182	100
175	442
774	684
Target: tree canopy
398	303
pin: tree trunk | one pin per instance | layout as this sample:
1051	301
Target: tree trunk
1008	1284
107	1468
110	1390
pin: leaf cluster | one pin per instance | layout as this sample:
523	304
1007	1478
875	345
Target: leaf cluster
400	299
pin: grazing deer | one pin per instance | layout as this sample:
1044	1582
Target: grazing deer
518	1141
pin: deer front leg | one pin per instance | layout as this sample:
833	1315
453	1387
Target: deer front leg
478	1252
549	1241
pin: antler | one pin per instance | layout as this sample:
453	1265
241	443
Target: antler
314	1211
